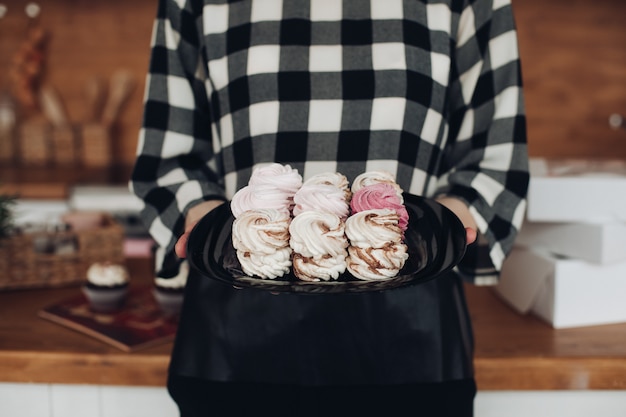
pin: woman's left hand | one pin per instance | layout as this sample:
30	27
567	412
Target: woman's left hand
461	210
193	217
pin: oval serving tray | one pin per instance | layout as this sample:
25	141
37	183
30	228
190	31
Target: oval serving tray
435	238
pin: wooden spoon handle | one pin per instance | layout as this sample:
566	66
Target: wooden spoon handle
122	84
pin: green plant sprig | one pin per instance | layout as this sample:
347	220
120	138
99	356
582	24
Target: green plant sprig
6	214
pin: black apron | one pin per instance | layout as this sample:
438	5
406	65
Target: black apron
420	333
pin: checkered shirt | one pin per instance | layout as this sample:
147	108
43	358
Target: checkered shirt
428	90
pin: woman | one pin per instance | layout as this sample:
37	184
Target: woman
430	91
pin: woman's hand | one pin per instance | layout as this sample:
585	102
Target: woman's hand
193	217
461	210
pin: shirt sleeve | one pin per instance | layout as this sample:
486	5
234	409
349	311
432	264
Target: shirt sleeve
486	162
174	168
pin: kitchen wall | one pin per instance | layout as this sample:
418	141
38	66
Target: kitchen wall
574	68
573	51
88	40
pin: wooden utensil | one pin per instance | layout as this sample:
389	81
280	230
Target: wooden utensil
95	94
122	84
53	107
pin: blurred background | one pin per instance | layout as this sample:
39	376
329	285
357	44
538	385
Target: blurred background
87	58
86	61
72	78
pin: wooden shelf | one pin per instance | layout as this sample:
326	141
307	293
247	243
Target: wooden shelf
513	352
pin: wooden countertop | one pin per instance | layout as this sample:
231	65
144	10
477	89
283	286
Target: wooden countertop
521	352
513	352
36	350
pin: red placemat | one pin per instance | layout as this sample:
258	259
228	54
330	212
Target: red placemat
138	325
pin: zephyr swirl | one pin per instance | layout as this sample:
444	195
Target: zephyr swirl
279	176
331	178
106	274
253	197
373	228
377	263
376	177
262	231
325	268
321	197
315	234
378	196
265	266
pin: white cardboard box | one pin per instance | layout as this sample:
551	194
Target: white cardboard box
111	198
601	243
563	292
37	211
571	190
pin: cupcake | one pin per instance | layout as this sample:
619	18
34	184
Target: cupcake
169	292
106	287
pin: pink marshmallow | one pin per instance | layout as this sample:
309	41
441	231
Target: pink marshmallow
380	196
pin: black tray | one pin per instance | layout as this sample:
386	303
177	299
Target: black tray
435	238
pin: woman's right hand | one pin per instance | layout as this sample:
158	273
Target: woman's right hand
461	210
193	217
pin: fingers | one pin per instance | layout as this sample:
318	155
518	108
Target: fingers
193	216
181	245
470	235
461	210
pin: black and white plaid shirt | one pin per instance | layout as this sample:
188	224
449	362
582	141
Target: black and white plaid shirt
428	90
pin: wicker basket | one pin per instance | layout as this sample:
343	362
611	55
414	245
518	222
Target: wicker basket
27	262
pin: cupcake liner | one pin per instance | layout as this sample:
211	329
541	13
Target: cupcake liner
169	301
105	299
